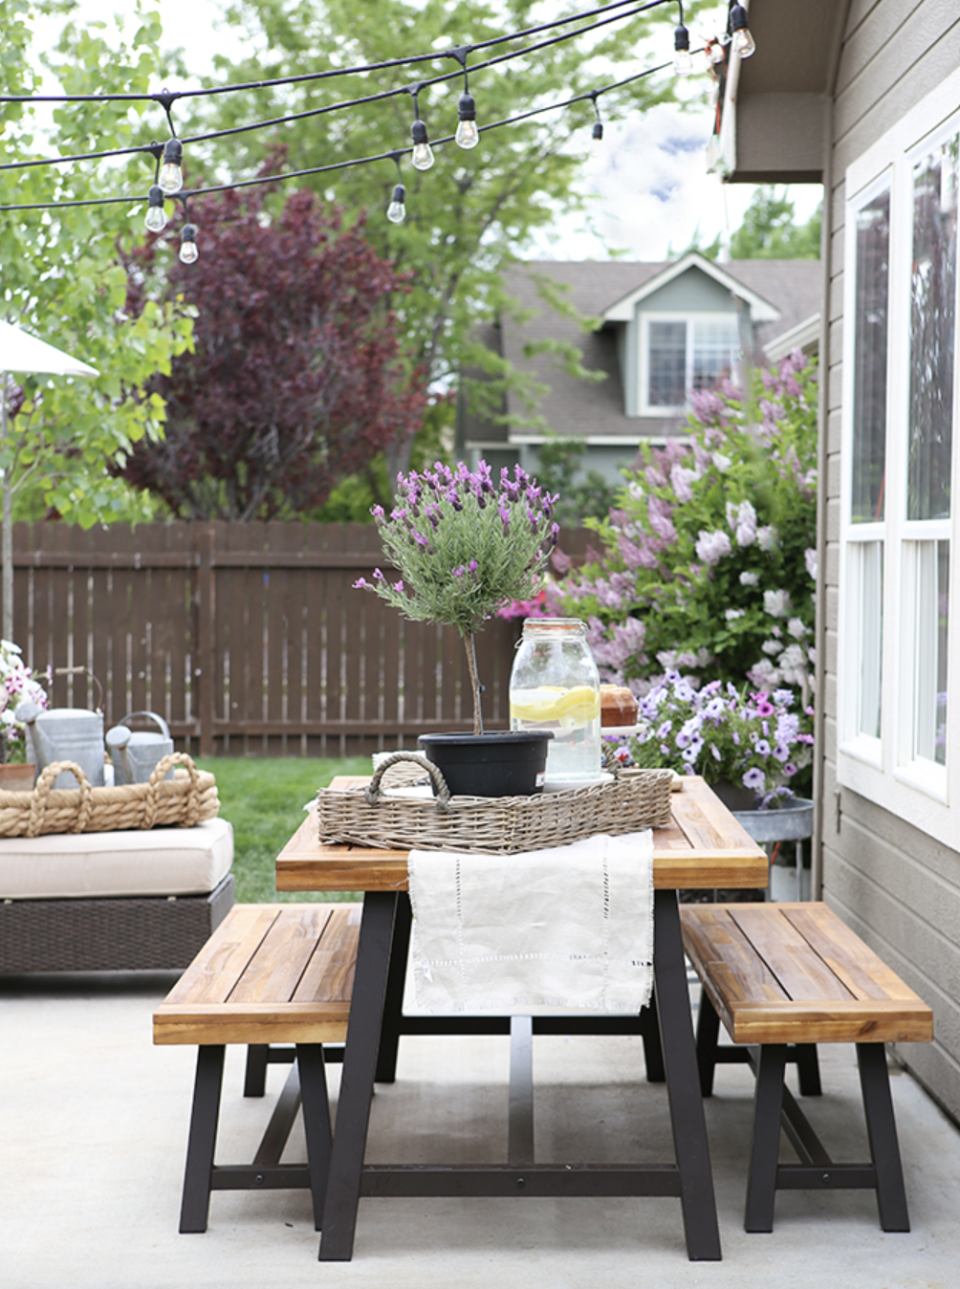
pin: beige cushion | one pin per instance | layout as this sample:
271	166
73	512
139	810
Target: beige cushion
154	861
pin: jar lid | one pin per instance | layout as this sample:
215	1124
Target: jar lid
554	624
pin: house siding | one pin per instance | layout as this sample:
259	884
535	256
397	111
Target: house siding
899	888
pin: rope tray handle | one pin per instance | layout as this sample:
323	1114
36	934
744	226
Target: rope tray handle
372	791
190	812
41	797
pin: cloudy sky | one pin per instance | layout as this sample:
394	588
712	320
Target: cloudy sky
651	192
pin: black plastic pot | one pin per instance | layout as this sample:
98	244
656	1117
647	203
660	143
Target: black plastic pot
503	763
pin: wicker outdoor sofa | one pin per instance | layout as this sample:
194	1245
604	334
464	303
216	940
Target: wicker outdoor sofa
113	901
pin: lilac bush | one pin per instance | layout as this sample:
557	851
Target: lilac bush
753	739
709	557
464	547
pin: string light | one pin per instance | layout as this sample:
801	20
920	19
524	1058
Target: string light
188	244
397	210
423	157
467	136
156	220
596	135
171	175
166	98
682	62
743	42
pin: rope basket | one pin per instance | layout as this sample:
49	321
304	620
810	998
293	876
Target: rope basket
182	801
370	816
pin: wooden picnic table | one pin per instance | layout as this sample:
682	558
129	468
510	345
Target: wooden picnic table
702	847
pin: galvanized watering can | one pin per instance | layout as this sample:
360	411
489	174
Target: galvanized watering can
135	753
65	734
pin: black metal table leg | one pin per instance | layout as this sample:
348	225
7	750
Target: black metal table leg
808	1069
255	1078
708	1034
393	1003
768	1103
683	1083
652	1046
202	1141
316	1122
356	1084
882	1135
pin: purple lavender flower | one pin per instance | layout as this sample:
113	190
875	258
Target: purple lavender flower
755	779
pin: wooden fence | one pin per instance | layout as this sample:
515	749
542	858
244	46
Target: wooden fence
247	638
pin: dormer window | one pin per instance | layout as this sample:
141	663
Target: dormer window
679	354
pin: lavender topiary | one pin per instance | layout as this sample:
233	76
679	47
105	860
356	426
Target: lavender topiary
463	547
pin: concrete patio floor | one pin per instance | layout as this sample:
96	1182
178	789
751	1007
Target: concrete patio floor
93	1123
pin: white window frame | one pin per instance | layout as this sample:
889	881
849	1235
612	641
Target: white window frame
884	770
643	366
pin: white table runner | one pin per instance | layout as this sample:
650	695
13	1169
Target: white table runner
571	926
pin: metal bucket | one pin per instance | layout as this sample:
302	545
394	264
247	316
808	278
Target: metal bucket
65	734
135	753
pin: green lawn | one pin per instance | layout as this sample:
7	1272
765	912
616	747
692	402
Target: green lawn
264	800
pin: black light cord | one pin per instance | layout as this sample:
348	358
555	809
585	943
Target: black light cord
459	54
326	75
392	155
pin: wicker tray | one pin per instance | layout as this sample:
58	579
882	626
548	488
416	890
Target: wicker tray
367	816
184	800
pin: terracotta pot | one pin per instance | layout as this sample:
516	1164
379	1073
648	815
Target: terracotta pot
17	778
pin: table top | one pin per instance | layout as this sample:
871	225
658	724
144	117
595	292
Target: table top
702	846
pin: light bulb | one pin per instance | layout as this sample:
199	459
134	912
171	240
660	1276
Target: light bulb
156	220
422	152
682	62
188	244
743	42
714	52
397	210
468	136
170	178
596	138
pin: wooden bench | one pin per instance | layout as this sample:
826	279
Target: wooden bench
270	974
782	977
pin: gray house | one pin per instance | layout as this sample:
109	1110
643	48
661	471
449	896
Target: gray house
864	95
658	331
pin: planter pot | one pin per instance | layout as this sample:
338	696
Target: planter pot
734	795
792	821
509	763
18	778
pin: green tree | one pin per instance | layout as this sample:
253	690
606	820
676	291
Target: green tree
61	279
473	210
768	231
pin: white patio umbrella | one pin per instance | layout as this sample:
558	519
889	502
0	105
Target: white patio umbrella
23	353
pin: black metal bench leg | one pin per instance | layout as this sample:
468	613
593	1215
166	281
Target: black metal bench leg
768	1103
882	1135
808	1069
316	1121
255	1078
652	1045
683	1083
356	1082
393	1002
202	1141
708	1036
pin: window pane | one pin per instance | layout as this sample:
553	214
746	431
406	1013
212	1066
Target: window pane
668	364
932	606
933	292
716	350
870	555
870	360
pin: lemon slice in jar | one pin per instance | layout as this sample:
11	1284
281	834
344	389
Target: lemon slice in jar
568	708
